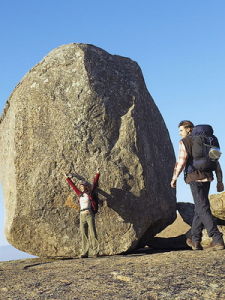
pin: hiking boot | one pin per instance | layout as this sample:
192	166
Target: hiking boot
83	256
194	245
217	246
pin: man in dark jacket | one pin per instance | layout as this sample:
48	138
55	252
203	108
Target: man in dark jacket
200	184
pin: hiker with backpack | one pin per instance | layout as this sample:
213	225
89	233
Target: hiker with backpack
198	157
88	208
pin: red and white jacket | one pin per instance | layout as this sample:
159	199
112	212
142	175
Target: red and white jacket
86	200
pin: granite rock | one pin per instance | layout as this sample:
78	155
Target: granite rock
145	275
217	203
78	109
186	211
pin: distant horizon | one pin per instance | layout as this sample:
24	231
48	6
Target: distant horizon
9	253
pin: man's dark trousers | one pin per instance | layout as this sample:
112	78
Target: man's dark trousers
203	216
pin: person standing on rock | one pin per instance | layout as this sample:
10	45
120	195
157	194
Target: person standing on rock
200	184
88	208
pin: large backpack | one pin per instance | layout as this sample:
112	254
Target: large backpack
205	148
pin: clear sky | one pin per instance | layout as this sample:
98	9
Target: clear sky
179	45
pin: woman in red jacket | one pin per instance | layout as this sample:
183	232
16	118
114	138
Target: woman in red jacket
88	208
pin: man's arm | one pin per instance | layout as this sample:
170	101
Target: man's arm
180	164
219	177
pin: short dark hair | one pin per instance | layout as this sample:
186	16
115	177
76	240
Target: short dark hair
186	124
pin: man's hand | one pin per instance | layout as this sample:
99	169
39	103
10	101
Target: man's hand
220	187
173	183
97	170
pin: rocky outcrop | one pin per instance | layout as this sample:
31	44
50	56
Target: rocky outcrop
78	109
217	203
144	275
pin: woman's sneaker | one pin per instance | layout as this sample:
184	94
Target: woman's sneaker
83	256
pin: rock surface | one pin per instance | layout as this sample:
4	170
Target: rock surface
177	228
217	202
186	211
80	108
176	275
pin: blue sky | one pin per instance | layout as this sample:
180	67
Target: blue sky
178	44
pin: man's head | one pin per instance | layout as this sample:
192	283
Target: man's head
185	128
84	186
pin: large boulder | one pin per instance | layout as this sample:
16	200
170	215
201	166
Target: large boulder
80	108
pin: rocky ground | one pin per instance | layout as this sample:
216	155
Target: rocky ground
146	274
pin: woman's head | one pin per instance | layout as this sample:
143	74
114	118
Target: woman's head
84	186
